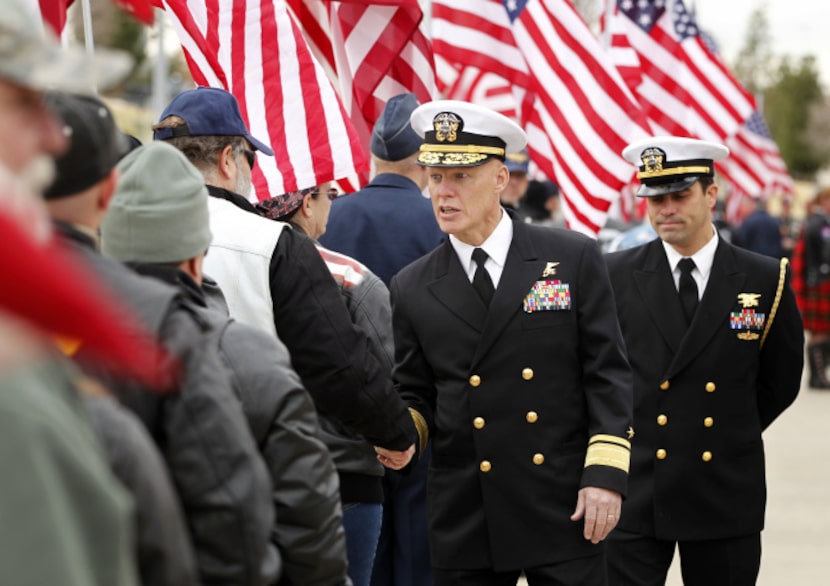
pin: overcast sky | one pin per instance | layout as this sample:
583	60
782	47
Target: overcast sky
798	27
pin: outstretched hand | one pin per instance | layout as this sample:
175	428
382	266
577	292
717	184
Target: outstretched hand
393	459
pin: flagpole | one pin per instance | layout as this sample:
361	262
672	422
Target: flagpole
606	29
89	43
159	96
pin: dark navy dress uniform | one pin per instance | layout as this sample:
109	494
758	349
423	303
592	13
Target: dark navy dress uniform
703	395
524	407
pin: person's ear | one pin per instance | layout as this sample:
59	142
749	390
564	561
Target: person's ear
502	177
225	162
711	195
108	186
305	207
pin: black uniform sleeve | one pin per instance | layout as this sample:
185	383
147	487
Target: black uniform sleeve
607	378
332	356
412	370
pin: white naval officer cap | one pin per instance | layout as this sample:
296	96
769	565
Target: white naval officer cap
461	134
668	164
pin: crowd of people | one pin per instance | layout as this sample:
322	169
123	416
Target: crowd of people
382	388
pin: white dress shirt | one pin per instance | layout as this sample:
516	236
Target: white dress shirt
703	263
496	247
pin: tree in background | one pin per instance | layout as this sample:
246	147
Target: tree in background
754	63
790	97
793	103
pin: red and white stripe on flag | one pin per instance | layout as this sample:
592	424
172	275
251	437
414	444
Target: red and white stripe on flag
471	84
575	107
372	50
754	166
683	86
255	50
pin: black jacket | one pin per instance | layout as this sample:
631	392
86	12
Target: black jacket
512	399
282	419
199	428
164	553
703	395
329	353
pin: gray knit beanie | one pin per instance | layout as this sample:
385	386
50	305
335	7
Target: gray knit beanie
159	213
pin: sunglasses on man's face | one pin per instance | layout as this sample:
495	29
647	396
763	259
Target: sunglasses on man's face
332	193
250	156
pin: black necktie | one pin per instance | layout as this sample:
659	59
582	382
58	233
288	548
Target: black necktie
482	282
687	289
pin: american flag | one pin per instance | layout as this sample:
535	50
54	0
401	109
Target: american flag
684	88
372	50
471	84
755	167
255	50
577	111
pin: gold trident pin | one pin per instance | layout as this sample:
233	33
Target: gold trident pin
749	299
550	269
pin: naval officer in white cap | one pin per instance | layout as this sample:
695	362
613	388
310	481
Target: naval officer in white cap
509	353
715	342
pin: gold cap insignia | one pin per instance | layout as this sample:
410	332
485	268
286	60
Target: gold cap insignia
447	125
630	432
652	159
550	269
749	299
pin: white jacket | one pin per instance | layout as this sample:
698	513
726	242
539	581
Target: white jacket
239	260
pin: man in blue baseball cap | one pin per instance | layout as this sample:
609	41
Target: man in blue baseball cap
274	279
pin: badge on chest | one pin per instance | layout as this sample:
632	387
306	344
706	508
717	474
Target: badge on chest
548	294
748	321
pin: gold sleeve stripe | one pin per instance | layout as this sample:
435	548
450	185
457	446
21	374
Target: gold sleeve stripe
610	439
782	277
423	430
604	454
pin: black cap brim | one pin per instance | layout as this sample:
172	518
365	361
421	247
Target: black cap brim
681	184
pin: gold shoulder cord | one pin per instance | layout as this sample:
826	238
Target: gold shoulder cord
781	278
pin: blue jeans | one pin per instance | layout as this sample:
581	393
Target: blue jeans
361	522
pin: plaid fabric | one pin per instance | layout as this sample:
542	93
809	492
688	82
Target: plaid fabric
813	300
282	205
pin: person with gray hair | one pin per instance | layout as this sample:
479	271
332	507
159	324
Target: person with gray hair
158	223
274	279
